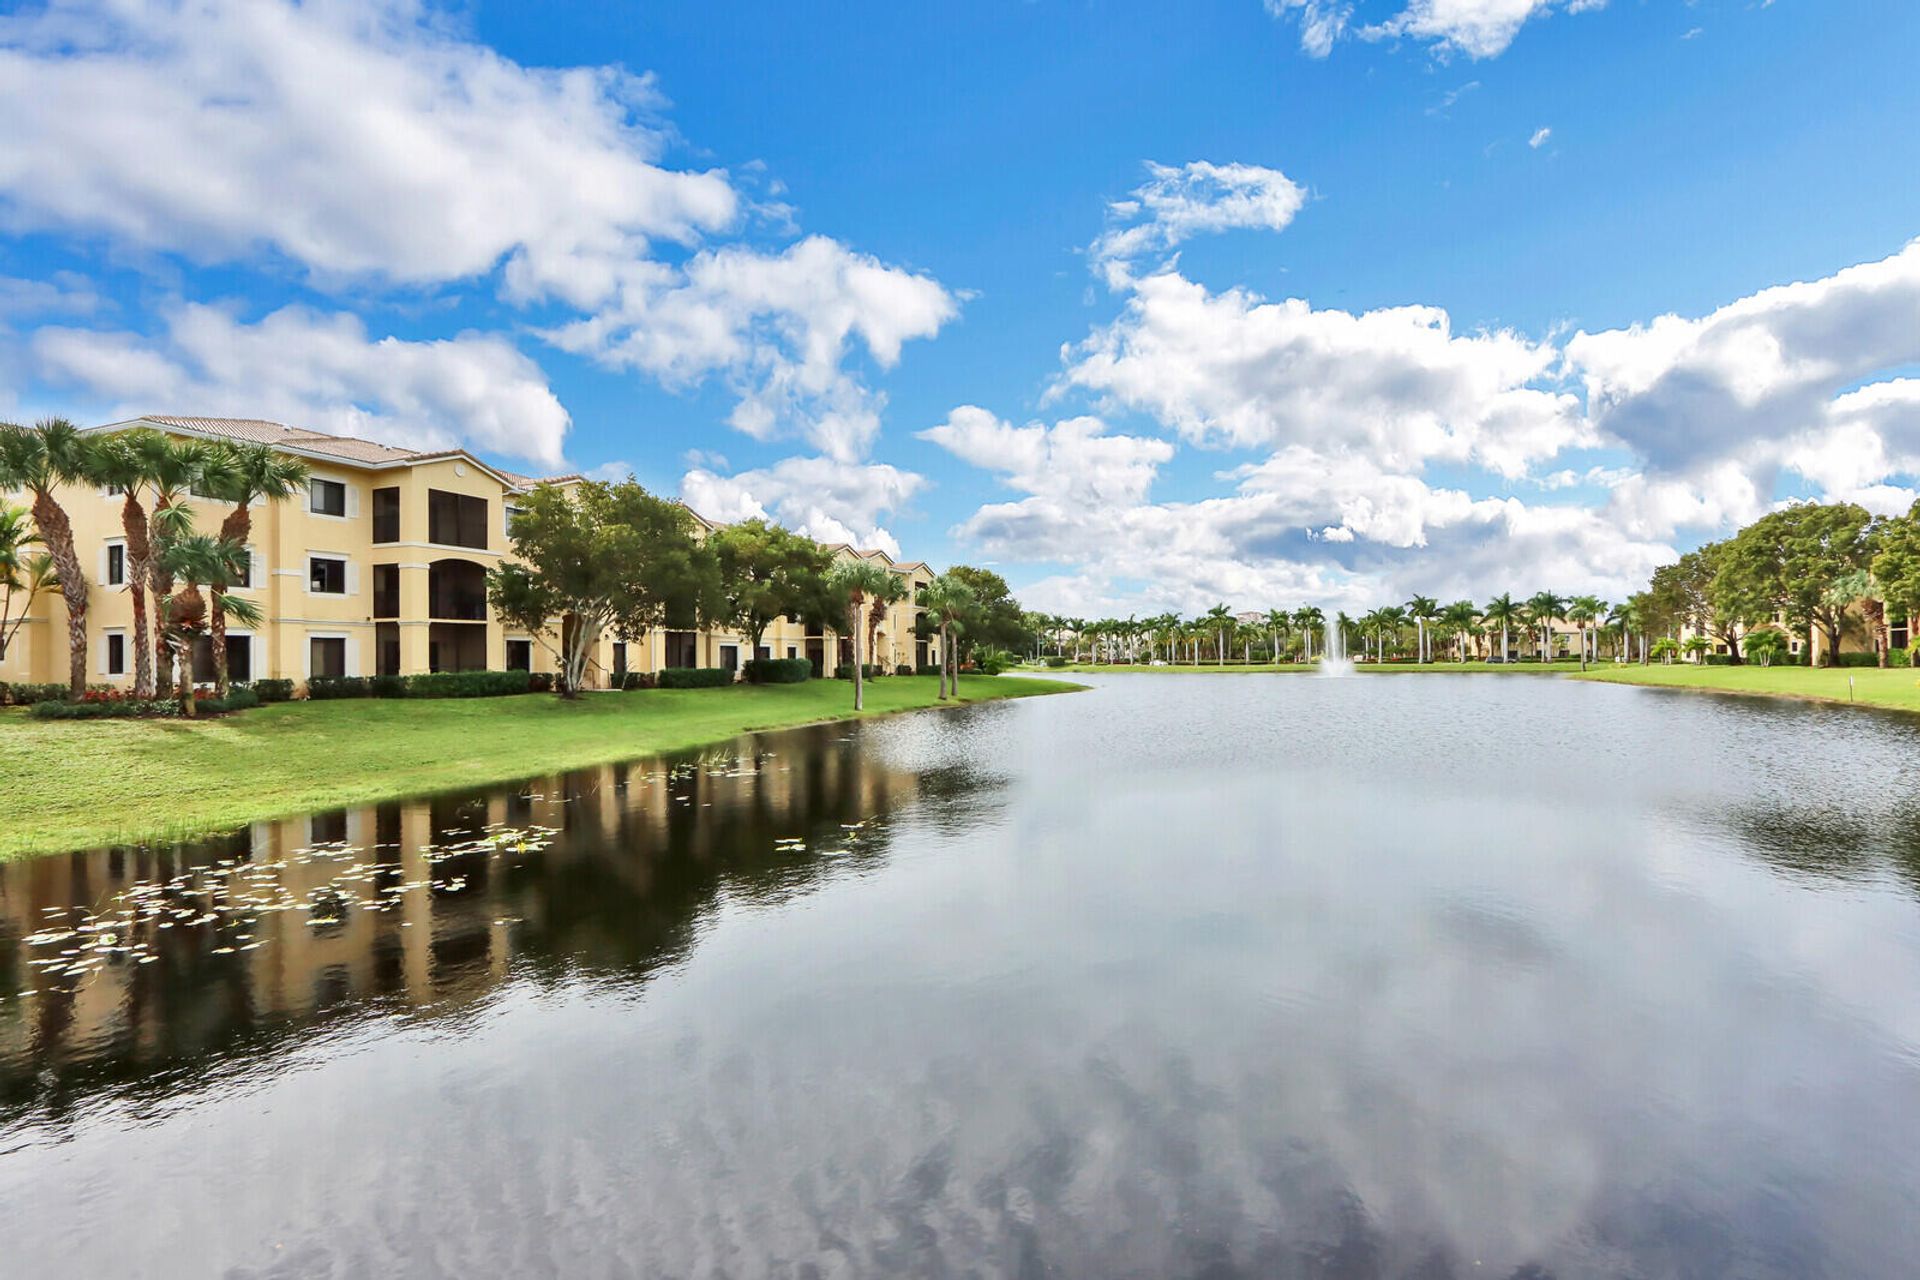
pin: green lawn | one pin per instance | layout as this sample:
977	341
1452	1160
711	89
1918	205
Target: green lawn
1302	668
1897	687
74	784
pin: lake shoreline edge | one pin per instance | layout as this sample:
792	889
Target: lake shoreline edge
63	816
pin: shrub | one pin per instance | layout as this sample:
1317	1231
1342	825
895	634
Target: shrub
904	669
991	662
695	678
26	695
1057	661
845	671
239	698
778	670
929	670
540	682
322	688
465	684
274	690
629	681
115	705
386	686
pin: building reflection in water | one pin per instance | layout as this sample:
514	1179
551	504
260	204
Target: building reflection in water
124	968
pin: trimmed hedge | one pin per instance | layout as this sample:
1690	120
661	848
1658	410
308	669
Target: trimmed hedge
327	688
1056	661
778	670
26	695
274	690
867	670
540	682
628	681
240	698
695	678
467	684
905	669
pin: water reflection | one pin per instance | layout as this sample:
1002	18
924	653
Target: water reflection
1430	977
119	965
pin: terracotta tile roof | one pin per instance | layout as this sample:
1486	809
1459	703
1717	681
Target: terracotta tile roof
260	431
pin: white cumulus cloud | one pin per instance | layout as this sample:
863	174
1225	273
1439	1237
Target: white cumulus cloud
317	370
822	498
1073	461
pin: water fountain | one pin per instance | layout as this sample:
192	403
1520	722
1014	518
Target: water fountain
1333	659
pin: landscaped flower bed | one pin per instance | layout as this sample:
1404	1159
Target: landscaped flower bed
116	704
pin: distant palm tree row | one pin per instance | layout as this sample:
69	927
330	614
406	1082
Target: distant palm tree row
178	577
1420	630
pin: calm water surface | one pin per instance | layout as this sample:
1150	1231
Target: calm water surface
1406	976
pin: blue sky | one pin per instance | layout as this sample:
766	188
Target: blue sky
1149	305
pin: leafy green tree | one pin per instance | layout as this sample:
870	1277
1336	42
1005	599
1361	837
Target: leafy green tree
120	462
595	558
40	459
1766	644
1664	648
1896	564
1696	646
1861	590
1786	563
763	573
24	573
997	618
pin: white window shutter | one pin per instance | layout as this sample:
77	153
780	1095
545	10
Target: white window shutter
102	578
352	647
256	567
353	501
353	577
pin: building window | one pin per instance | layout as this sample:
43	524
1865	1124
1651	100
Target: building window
730	656
326	656
116	653
619	658
243	570
386	515
508	512
761	653
239	659
386	591
793	651
456	519
326	497
116	564
519	655
326	576
386	648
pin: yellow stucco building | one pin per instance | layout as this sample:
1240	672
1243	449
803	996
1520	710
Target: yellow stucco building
379	568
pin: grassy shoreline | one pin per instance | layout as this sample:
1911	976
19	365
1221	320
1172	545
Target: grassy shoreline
1304	668
1895	688
78	784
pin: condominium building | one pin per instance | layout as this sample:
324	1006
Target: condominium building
379	567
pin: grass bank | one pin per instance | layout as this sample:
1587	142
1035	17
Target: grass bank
1303	668
76	784
1896	688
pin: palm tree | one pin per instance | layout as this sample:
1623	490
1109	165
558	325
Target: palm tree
1504	610
1423	610
853	585
1545	608
39	459
1310	620
1458	619
1392	622
24	574
1862	589
1221	619
245	474
878	604
947	600
172	467
1583	611
1765	644
1279	623
120	463
1624	618
194	560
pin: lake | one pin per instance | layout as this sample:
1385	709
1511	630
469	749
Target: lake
1197	976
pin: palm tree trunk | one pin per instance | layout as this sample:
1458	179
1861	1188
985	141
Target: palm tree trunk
56	532
217	639
133	520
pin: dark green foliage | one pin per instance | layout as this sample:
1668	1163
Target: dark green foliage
467	684
121	708
633	680
904	669
26	695
777	670
274	690
540	682
695	678
326	688
1056	660
387	686
868	670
